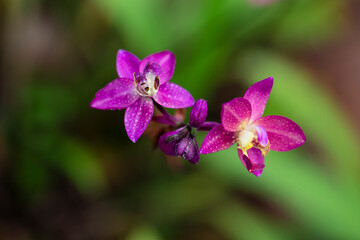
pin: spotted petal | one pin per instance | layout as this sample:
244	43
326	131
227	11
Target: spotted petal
254	163
171	95
283	133
137	117
166	60
217	139
127	64
118	94
235	114
257	95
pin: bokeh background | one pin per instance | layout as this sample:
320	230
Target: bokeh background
69	172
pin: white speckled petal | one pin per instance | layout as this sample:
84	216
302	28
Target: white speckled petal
283	133
235	113
118	94
138	117
257	95
171	95
217	139
166	60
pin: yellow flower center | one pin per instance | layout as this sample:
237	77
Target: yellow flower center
244	140
248	138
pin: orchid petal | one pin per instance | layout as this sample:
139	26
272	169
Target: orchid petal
166	60
283	133
198	113
126	64
258	95
171	95
254	162
138	117
217	139
117	94
235	114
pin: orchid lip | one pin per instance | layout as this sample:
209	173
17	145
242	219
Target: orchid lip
245	138
250	166
248	138
147	83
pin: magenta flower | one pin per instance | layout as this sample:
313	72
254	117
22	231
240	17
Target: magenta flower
255	135
139	83
182	142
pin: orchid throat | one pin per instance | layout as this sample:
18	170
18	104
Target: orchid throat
253	136
147	83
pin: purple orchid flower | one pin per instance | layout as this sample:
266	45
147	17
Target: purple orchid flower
139	83
182	142
255	135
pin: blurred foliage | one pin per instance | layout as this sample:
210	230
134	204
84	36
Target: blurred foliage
71	173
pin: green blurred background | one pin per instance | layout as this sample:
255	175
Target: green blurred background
69	172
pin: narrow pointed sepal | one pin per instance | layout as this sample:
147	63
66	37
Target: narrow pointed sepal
126	64
258	95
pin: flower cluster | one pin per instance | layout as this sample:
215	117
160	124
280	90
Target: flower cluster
143	84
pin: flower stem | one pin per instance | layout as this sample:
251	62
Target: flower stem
163	120
207	126
167	115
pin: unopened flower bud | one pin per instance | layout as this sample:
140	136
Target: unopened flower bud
198	113
185	148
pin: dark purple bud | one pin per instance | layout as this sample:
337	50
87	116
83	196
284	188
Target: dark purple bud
196	157
153	68
198	113
185	148
167	147
181	143
180	133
